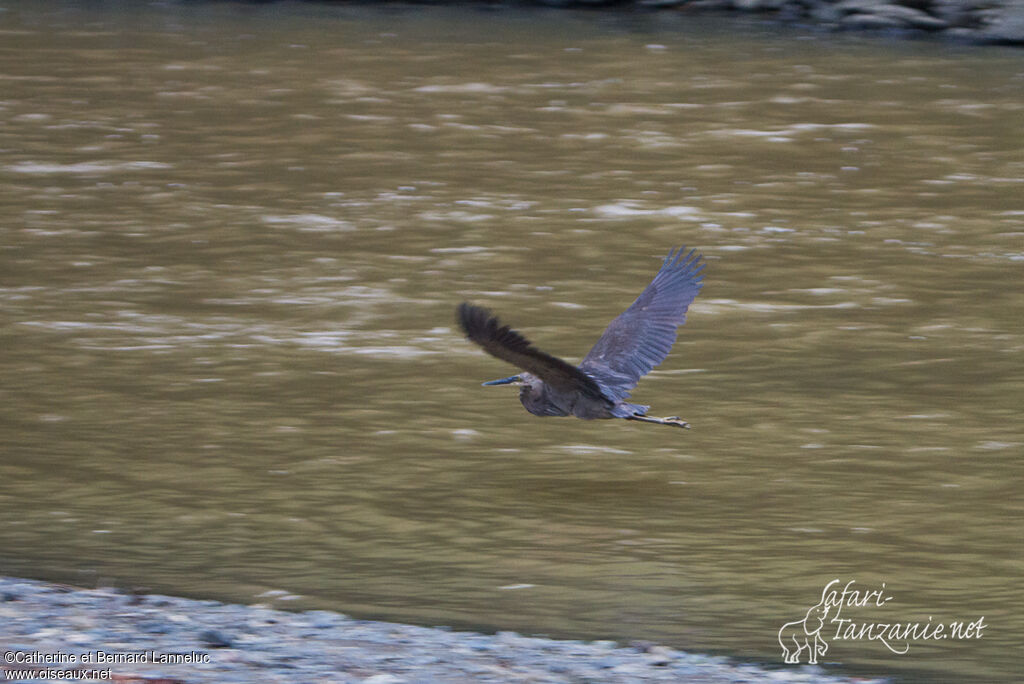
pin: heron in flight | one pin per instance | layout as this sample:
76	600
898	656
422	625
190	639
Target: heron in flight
634	343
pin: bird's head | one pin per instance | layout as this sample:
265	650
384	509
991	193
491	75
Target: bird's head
531	391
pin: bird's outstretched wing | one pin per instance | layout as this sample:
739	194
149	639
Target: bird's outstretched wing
642	335
501	342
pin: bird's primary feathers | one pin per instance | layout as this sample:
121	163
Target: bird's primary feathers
635	342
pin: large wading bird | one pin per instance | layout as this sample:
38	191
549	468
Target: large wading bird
634	343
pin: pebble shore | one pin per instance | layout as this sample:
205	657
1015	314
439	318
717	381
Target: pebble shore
51	630
999	22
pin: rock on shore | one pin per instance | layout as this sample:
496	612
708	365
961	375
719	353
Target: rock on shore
49	629
981	21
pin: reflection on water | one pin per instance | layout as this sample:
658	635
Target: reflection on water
233	239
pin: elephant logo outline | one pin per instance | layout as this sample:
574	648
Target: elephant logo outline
805	635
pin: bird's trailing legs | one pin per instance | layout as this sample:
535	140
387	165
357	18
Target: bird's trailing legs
673	420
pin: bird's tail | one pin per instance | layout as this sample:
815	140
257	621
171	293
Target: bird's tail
624	410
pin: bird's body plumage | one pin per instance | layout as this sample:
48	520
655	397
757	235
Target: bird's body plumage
634	343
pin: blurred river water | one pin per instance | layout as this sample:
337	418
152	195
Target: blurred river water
232	238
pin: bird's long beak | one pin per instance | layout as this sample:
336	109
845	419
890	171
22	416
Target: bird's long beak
504	381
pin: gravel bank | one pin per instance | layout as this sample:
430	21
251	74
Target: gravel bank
976	21
54	627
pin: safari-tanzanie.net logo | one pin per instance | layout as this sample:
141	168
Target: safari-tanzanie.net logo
826	622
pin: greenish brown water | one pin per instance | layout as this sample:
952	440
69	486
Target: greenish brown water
232	239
